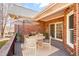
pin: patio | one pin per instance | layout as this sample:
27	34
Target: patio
55	49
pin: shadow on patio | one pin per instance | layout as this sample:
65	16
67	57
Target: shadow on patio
61	51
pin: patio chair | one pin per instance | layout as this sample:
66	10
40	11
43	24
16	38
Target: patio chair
30	45
39	38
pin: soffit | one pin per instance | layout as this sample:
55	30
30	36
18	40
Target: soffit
57	7
53	16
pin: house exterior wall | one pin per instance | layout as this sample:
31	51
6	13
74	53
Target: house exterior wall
27	29
76	19
73	7
66	11
41	26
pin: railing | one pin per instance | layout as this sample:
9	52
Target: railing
8	48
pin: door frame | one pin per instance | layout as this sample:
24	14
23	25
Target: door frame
55	31
68	30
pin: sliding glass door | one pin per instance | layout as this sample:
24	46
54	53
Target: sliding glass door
56	30
59	30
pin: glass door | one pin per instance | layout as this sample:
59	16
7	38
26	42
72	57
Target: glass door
52	30
59	30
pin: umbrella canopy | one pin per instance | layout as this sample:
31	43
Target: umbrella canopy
23	20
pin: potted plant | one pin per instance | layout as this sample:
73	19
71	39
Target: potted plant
46	35
17	36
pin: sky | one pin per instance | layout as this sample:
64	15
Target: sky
35	6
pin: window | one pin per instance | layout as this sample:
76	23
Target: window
70	29
71	36
71	17
71	21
